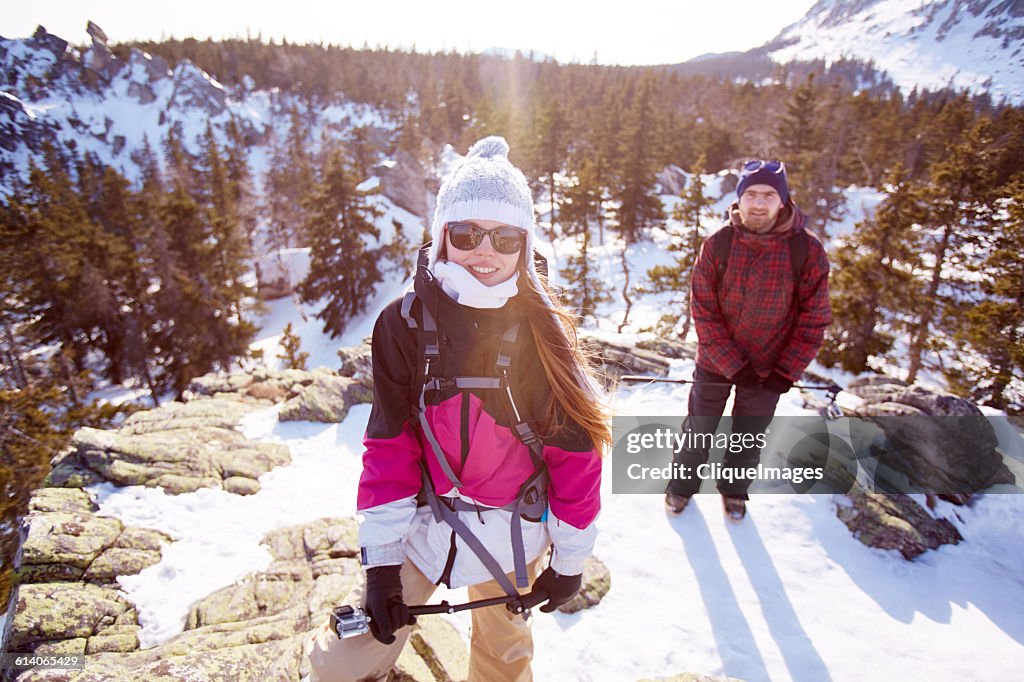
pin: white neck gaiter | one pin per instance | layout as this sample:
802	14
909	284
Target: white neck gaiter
462	287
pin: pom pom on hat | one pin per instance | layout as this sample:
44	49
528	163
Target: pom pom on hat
489	147
485	186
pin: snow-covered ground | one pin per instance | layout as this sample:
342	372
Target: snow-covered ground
788	594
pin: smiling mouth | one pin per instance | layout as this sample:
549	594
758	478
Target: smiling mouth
483	269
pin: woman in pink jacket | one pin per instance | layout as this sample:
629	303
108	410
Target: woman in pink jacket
483	444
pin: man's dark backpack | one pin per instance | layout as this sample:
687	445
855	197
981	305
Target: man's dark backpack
797	253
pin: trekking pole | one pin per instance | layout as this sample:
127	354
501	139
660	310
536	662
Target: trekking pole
831	411
635	377
349	621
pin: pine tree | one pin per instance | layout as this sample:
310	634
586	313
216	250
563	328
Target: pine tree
806	140
639	205
872	283
291	349
198	306
550	149
242	191
580	206
959	204
991	322
689	215
289	178
343	268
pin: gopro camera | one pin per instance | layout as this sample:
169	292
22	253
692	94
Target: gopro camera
349	621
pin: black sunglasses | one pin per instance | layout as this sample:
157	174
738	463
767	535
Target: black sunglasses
467	236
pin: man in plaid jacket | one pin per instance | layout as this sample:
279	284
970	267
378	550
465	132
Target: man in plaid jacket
760	317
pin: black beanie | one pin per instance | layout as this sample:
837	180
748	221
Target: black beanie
759	172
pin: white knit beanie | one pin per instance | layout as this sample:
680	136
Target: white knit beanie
485	186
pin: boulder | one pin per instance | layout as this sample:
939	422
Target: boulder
99	58
180	447
67	500
440	646
597	580
357	363
672	180
403	181
941	443
327	399
77	545
279	272
894	521
262	384
253	630
71	539
48	613
676	350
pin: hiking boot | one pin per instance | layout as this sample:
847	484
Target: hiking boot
675	504
735	508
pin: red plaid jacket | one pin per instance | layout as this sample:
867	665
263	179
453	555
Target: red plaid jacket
751	314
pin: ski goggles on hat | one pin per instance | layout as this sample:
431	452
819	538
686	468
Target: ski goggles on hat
467	236
776	167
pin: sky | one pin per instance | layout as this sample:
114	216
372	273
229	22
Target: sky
635	32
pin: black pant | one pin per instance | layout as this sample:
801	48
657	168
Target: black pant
753	410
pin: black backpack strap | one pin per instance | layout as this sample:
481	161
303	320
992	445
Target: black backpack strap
798	254
721	248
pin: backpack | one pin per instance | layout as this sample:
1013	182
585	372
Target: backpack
531	499
722	247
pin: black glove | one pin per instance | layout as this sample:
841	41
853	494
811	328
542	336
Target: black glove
556	589
777	383
746	376
384	602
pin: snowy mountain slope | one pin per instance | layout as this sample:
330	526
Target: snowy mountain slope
972	44
110	107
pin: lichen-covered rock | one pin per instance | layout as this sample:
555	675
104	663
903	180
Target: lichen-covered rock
330	589
67	500
357	362
270	661
894	521
118	561
220	382
331	538
327	399
180	447
441	647
78	545
222	411
69	539
268	593
51	612
941	443
597	580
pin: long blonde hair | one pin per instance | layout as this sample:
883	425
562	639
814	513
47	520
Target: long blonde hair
574	388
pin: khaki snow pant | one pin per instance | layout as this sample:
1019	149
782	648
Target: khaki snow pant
501	645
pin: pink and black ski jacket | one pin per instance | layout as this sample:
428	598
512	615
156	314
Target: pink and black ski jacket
472	427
